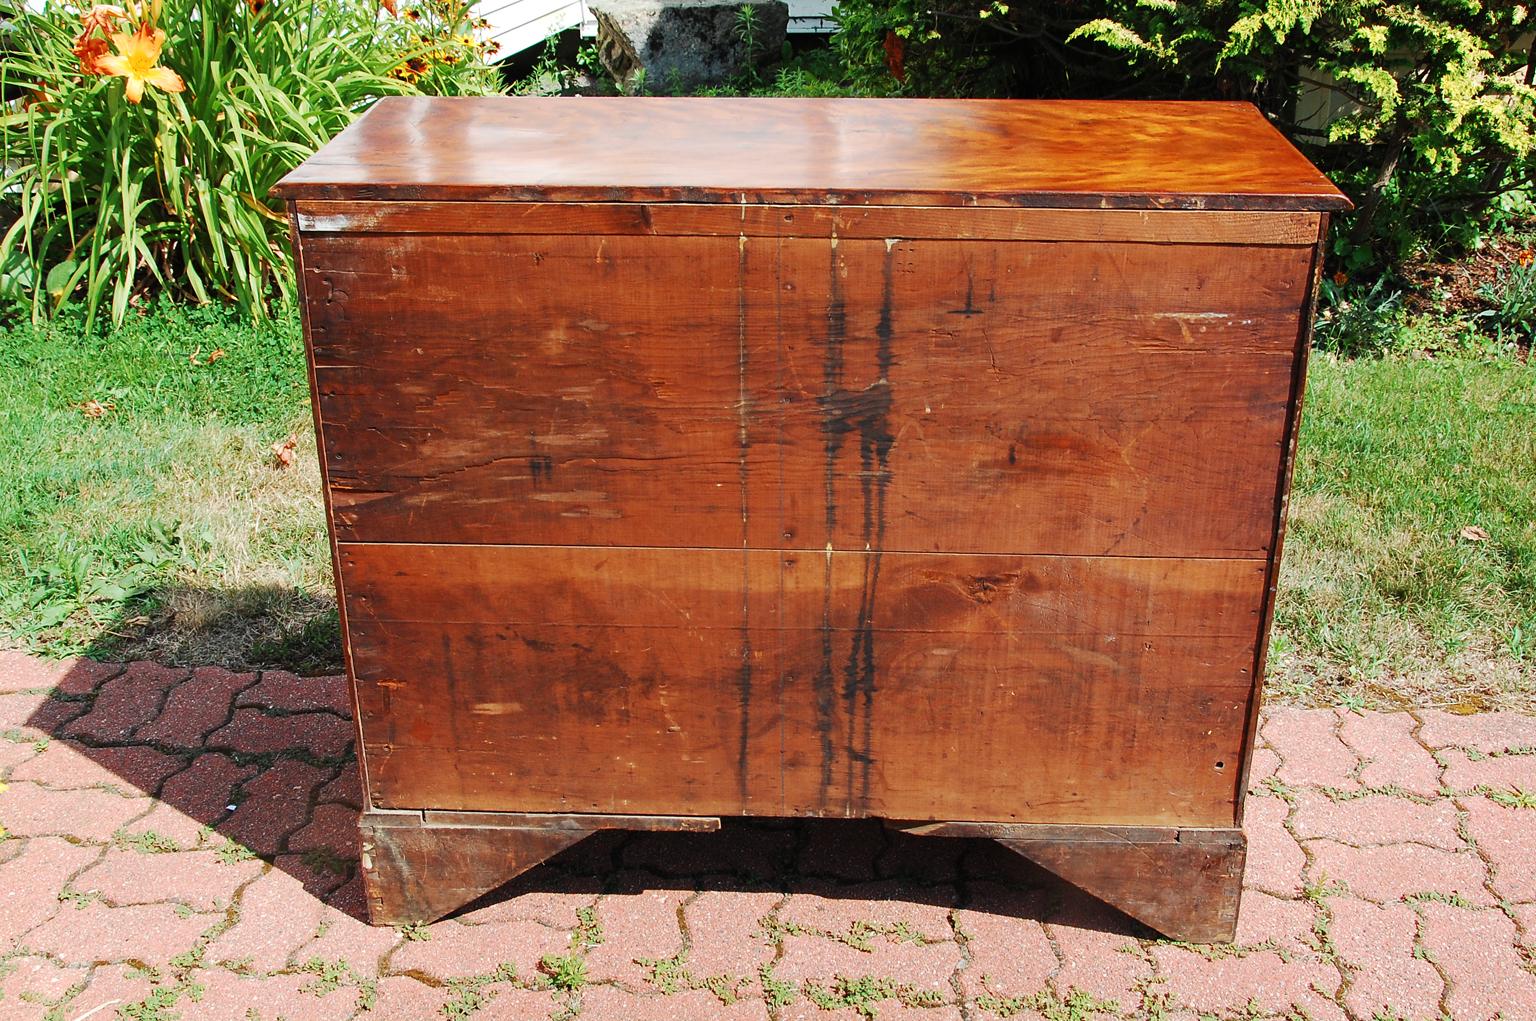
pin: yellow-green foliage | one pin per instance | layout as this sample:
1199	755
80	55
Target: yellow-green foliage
1444	76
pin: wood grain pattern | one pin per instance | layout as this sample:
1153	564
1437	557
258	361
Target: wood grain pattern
1155	226
1188	888
721	682
417	872
1092	399
1143	155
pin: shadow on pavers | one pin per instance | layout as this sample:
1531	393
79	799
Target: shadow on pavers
265	761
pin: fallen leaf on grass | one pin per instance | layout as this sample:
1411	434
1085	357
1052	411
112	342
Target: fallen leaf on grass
284	452
1472	533
95	409
215	355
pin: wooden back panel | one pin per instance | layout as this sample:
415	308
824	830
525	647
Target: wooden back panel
1028	397
778	523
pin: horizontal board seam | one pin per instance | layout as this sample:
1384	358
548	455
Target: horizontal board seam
1257	558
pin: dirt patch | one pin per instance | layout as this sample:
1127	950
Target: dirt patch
1455	286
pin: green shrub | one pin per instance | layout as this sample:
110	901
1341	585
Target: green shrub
125	179
1438	132
1513	297
1354	321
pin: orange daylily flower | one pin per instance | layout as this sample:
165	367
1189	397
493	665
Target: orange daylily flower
136	62
91	44
102	16
90	51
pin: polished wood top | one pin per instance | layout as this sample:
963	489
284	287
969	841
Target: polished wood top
942	152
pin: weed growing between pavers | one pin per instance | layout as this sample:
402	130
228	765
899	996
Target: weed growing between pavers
776	991
1075	1006
330	976
415	932
145	842
469	995
864	993
232	853
589	931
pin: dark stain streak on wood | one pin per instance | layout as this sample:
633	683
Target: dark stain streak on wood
744	441
832	440
970	308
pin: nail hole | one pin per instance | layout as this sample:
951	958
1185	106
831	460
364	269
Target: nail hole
1221	765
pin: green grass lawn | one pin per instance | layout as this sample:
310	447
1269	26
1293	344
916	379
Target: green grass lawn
1388	592
163	528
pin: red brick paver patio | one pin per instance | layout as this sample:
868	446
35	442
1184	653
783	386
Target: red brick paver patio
182	844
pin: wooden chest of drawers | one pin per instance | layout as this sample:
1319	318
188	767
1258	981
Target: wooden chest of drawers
922	460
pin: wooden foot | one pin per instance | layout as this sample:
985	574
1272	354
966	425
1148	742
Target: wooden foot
420	866
1185	883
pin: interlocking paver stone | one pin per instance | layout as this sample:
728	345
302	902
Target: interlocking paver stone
34	981
67	766
30	882
20	672
1286	924
1265	978
406	997
15	750
150	933
1275	860
1393	757
342	937
1464	772
635	925
513	1003
276	918
274	804
1010	954
884	905
1096	951
1386	874
1375	819
110	990
656	894
613	1003
197	879
27	810
195	708
125	701
1264	765
1377	944
724	932
346	789
227	995
331	828
255	733
1486	732
205	789
463	951
1310	750
1507	836
1476	949
553	903
286	692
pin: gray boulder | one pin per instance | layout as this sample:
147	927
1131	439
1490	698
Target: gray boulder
683	44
